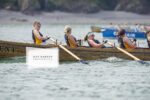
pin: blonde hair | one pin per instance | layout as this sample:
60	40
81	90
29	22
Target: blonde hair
67	29
36	23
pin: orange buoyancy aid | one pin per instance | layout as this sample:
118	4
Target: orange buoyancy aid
123	44
69	42
127	46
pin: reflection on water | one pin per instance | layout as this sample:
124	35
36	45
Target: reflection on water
13	60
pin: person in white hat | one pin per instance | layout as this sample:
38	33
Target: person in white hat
69	38
93	43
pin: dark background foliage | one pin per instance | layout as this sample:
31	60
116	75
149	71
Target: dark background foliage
77	6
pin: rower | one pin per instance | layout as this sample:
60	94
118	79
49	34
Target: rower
148	38
36	34
124	41
90	38
71	41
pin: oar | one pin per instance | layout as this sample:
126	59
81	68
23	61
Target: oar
98	29
69	52
128	54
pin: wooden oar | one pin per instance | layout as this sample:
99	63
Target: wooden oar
98	29
125	52
129	54
69	52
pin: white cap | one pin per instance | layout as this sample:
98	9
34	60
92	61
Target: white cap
67	28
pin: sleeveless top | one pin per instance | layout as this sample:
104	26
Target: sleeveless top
121	43
36	40
96	41
69	42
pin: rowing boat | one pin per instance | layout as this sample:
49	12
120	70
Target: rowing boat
15	49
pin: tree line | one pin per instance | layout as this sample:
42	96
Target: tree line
76	6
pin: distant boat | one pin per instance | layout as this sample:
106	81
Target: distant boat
108	32
112	33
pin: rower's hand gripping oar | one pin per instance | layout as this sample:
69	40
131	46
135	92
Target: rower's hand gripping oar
69	52
127	53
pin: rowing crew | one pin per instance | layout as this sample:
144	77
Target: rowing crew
124	41
72	42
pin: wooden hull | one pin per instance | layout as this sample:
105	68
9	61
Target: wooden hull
14	49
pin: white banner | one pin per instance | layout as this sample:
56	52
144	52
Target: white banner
42	57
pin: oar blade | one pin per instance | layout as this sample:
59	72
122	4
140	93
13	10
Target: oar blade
143	62
84	62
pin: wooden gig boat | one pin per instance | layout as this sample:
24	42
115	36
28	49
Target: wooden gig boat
14	49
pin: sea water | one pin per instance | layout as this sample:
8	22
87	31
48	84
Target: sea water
108	79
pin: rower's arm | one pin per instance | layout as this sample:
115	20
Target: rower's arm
95	45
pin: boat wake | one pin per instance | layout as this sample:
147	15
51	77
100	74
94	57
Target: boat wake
128	62
113	59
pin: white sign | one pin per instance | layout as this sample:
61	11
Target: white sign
42	57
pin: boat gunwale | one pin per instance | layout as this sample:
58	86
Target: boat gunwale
53	45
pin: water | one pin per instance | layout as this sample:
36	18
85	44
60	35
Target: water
108	79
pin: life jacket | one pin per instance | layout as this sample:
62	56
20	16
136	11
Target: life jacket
96	41
36	40
128	46
124	45
69	42
121	43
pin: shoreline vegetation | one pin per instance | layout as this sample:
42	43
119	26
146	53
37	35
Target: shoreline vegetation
76	6
59	17
75	11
